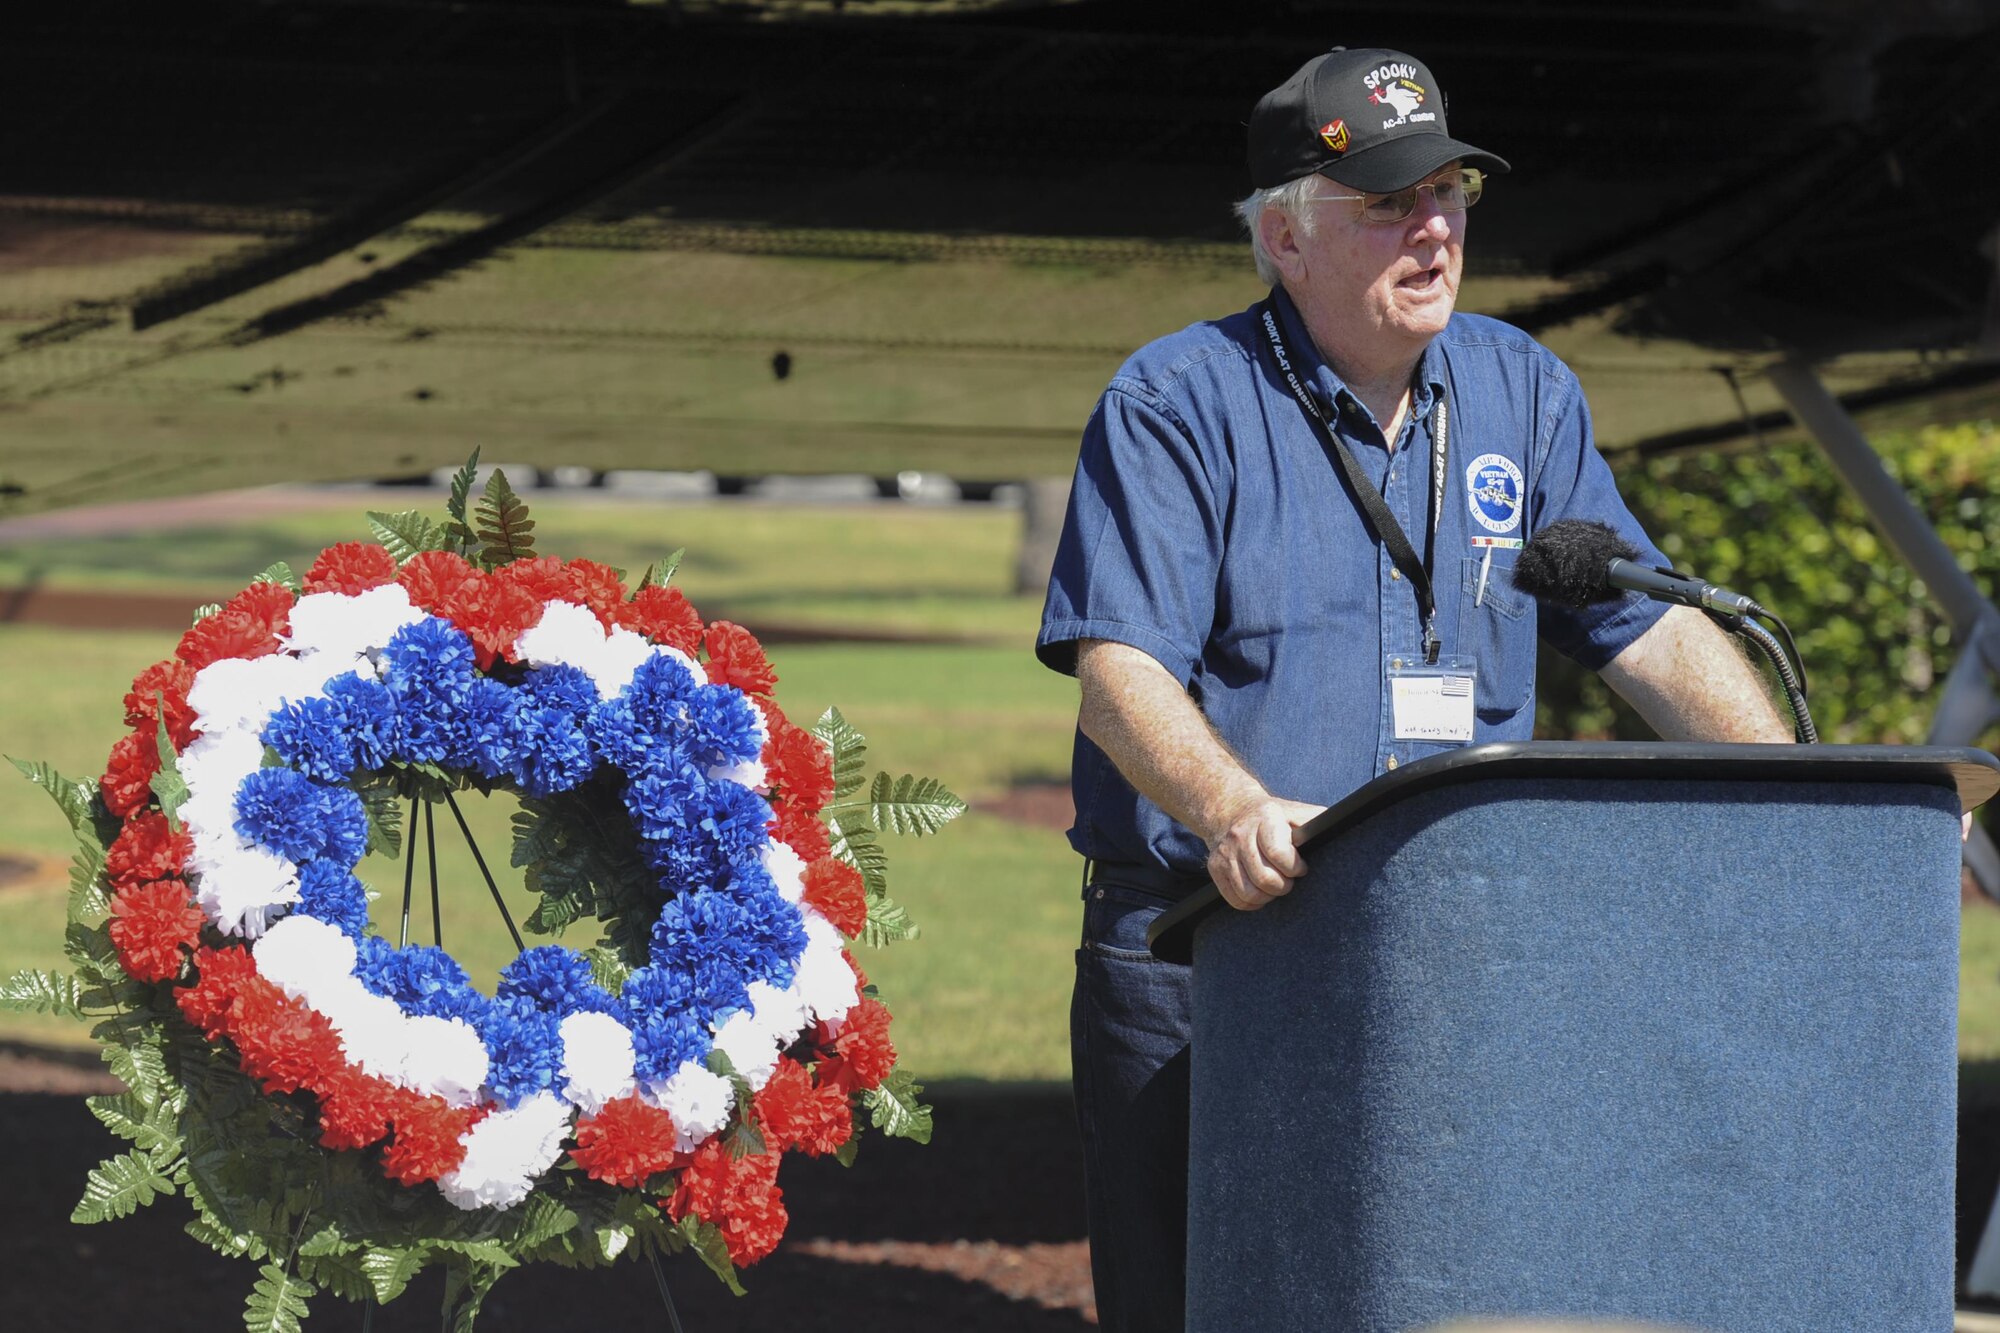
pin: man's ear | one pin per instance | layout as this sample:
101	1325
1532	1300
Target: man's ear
1278	232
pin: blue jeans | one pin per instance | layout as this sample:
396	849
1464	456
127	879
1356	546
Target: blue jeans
1129	1022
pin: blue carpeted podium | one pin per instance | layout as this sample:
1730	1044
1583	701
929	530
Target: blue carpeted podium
1653	1032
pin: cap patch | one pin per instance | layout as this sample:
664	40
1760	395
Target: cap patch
1334	135
1403	97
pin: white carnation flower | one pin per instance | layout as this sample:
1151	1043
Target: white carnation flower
444	1057
567	634
787	870
237	886
373	1029
346	626
597	1060
623	653
506	1151
243	692
824	981
697	1100
305	957
750	1046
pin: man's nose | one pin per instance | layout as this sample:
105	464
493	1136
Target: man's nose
1429	222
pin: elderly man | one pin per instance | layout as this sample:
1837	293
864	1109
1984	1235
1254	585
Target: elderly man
1289	529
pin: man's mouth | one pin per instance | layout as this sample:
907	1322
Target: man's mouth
1423	279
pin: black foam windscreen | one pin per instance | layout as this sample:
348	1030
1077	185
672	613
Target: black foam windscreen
1564	563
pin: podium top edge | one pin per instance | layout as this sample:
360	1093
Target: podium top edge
1973	774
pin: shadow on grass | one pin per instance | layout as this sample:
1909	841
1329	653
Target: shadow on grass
1004	1167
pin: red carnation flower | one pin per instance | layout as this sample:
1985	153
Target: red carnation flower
427	1138
598	587
168	681
436	579
800	830
128	776
626	1143
862	1054
664	616
221	974
542	578
282	1043
151	924
837	892
795	1114
354	1108
736	658
351	567
799	763
494	613
146	849
739	1195
248	625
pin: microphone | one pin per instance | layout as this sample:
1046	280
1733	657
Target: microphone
1578	562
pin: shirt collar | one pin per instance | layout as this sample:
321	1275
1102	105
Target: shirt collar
1327	386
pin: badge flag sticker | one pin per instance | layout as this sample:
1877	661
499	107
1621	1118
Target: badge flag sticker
1493	492
1334	135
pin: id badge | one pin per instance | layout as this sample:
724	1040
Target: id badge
1431	701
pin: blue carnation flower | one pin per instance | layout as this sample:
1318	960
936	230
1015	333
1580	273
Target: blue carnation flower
740	822
523	1049
562	686
667	796
616	735
432	655
285	811
665	1030
346	826
658	694
488	734
426	724
311	736
689	861
724	726
329	892
556	979
553	755
775	936
368	716
424	980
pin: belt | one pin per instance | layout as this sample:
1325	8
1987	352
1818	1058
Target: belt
1167	883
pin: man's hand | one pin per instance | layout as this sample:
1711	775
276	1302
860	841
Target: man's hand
1253	859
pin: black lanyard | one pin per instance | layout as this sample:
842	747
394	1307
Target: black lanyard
1382	524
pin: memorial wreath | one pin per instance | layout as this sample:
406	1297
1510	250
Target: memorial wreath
345	1111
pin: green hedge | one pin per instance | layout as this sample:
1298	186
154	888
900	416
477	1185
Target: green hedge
1776	522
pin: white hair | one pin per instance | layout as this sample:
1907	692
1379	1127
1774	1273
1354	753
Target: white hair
1291	198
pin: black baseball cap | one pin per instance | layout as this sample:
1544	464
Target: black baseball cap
1370	118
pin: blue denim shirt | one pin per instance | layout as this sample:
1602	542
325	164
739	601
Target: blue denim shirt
1208	528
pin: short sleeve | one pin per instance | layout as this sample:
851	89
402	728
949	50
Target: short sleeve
1141	543
1573	481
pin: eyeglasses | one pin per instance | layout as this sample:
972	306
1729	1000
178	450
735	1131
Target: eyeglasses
1455	191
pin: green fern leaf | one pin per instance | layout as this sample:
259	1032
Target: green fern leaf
886	924
607	968
385	821
229	1244
537	836
540	1220
87	899
278	1302
660	572
167	784
204	611
119	1186
461	487
281	574
858	846
407	534
140	1067
149	1128
95	956
849	748
705	1239
340	1274
75	799
504	527
912	805
389	1270
37	992
895	1110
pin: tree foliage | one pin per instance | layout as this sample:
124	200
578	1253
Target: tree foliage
1779	524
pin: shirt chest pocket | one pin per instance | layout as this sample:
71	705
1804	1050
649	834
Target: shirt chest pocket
1496	625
